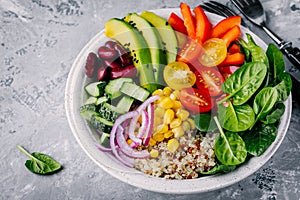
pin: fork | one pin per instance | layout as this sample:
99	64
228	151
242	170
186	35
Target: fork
254	12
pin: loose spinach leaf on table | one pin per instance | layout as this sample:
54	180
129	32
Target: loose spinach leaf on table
242	84
229	147
236	118
40	163
220	168
260	138
204	122
275	115
264	102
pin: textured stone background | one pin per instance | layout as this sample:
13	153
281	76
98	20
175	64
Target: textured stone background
39	40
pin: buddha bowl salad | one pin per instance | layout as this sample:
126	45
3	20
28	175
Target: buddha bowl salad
180	98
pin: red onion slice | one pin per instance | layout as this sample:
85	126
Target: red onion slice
150	110
144	126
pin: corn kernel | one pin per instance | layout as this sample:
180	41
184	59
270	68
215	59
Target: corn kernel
153	153
177	105
167	91
157	121
183	114
172	145
158	92
175	123
162	128
166	102
186	126
158	137
169	116
192	123
159	112
152	142
176	94
178	132
168	134
129	141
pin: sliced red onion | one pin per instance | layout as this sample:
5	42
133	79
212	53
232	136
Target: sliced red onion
150	110
102	148
134	120
144	126
126	149
113	132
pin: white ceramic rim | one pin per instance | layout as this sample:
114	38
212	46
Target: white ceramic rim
74	99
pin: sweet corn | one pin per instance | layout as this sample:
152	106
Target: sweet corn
157	121
159	92
175	123
192	123
176	94
129	141
154	153
177	105
186	126
158	137
183	114
169	116
178	132
172	145
167	91
159	112
166	102
162	128
152	142
168	134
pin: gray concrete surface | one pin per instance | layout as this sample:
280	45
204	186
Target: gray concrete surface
39	40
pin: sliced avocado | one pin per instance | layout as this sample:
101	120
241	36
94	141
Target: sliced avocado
153	39
132	39
166	32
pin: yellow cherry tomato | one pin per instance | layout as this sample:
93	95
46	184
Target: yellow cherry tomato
178	75
214	52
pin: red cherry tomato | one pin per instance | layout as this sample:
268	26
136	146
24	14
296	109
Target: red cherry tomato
210	78
226	71
196	100
189	52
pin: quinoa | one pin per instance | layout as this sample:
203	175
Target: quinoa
194	155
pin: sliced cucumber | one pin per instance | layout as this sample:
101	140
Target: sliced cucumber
125	104
101	124
135	91
113	87
88	110
95	89
101	100
108	111
104	139
91	100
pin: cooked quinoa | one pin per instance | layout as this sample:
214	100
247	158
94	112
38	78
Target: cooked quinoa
194	155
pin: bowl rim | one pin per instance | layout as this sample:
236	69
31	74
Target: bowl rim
138	179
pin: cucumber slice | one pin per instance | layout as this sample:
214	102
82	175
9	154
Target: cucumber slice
124	104
113	87
88	110
101	100
101	124
104	139
134	91
91	100
95	89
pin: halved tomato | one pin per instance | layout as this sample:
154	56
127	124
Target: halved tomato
226	71
189	52
210	78
196	100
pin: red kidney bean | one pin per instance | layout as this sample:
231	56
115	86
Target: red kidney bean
128	71
91	63
102	73
123	54
110	44
107	53
112	64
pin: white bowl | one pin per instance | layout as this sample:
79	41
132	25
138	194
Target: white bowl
74	98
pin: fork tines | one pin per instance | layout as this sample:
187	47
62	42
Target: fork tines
218	8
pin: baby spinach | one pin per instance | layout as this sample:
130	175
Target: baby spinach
236	118
264	102
220	168
260	138
284	87
229	147
204	122
40	163
242	84
276	62
275	114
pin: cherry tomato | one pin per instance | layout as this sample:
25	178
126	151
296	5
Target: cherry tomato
189	52
226	71
178	75
196	100
214	52
210	78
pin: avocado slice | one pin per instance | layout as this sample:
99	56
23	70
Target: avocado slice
131	38
152	37
166	32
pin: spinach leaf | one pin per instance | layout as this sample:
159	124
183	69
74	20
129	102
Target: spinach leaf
205	123
40	163
242	84
229	147
276	61
257	53
260	138
284	87
220	168
264	102
236	118
275	115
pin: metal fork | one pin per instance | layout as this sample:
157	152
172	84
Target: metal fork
254	12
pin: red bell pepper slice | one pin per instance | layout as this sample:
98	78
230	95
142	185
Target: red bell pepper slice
189	20
231	35
177	23
233	59
203	25
225	25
